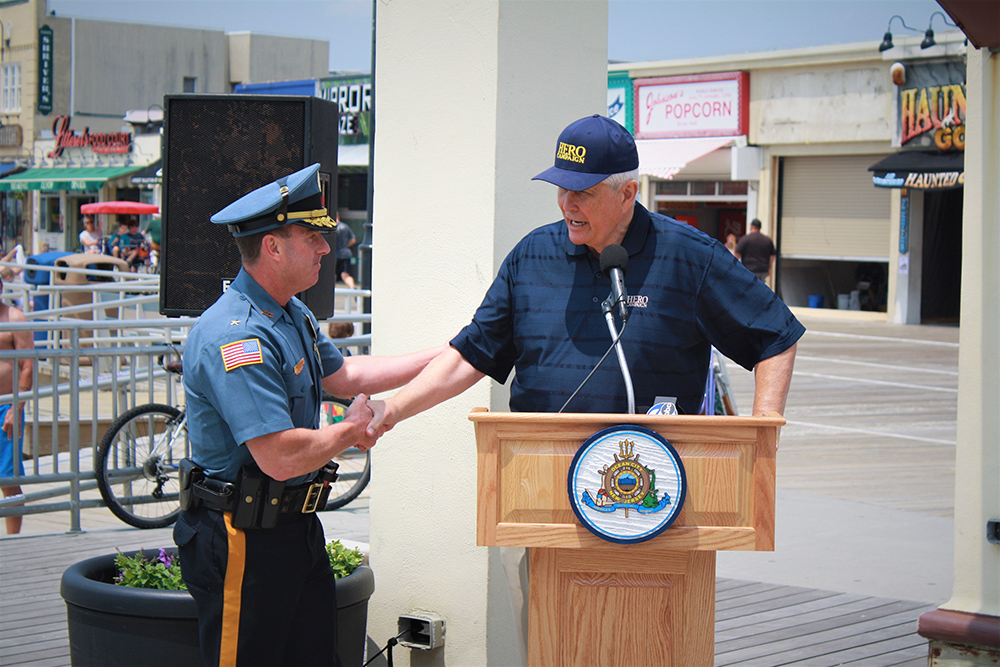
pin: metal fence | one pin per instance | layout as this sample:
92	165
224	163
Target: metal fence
92	361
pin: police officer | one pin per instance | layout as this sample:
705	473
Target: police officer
252	551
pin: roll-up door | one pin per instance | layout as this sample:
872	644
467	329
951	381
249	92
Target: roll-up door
831	210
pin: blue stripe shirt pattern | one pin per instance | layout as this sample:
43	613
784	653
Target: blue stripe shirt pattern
542	318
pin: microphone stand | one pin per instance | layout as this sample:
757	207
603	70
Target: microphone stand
607	307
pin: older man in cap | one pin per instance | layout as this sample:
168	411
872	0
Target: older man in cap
252	550
686	293
542	315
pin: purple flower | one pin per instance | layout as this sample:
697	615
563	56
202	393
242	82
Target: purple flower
165	558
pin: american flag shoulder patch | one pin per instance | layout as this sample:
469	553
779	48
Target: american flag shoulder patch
242	353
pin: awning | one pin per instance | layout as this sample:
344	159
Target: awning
63	178
920	170
148	175
663	158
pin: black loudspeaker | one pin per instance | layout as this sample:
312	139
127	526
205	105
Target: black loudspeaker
217	148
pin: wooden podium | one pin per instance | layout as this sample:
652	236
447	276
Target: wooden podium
594	602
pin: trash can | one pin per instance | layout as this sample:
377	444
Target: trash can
85	261
815	300
37	278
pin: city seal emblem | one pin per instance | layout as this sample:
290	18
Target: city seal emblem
626	484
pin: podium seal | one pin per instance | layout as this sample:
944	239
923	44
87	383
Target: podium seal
626	484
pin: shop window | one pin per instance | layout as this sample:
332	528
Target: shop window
51	217
10	88
732	187
11	215
671	187
703	187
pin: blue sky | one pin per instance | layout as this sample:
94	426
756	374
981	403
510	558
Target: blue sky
637	29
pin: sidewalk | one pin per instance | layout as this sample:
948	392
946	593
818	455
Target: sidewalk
865	493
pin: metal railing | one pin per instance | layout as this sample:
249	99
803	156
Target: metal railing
85	372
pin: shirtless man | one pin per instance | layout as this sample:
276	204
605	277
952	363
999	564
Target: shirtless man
21	340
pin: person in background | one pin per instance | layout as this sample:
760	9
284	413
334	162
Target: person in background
756	251
345	241
90	237
136	251
118	245
10	446
731	243
155	231
7	273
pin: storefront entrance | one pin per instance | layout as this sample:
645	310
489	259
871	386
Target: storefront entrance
941	276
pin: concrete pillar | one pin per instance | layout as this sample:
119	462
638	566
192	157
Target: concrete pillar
470	100
966	630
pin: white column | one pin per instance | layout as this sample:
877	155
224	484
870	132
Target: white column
470	98
977	467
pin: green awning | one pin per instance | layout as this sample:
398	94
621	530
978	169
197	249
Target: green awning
64	178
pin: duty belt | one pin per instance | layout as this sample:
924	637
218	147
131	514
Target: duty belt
300	499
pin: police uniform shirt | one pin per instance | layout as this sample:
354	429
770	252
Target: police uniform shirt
686	292
251	368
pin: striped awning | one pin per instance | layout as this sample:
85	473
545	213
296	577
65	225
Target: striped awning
663	158
89	179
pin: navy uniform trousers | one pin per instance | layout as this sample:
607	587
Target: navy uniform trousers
244	580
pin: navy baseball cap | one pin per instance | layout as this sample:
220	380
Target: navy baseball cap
296	198
588	151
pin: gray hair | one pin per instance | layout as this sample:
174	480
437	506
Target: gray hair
616	181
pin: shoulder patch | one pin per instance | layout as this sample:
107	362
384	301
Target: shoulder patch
242	353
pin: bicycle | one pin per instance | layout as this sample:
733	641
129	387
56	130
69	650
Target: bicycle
138	456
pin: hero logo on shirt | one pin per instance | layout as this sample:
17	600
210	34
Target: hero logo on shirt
637	301
242	353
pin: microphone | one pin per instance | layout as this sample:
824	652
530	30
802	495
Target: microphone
614	262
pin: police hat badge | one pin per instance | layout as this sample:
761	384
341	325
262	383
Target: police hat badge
626	484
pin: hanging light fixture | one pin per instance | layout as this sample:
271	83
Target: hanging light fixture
929	34
887	39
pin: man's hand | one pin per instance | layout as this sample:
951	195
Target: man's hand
8	424
377	427
359	414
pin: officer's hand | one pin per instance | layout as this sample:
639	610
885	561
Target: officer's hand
359	414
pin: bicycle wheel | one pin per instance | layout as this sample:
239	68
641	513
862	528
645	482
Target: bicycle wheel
136	465
355	466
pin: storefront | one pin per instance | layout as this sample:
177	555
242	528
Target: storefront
792	138
79	168
691	134
927	175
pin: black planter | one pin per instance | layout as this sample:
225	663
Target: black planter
116	625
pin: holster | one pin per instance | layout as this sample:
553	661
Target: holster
189	474
259	499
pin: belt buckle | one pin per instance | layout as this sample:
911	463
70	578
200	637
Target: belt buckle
312	498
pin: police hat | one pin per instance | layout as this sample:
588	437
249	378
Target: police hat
588	151
296	198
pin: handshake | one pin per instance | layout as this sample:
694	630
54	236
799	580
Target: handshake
366	416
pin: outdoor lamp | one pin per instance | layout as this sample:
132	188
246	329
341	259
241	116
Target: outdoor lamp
887	39
929	35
